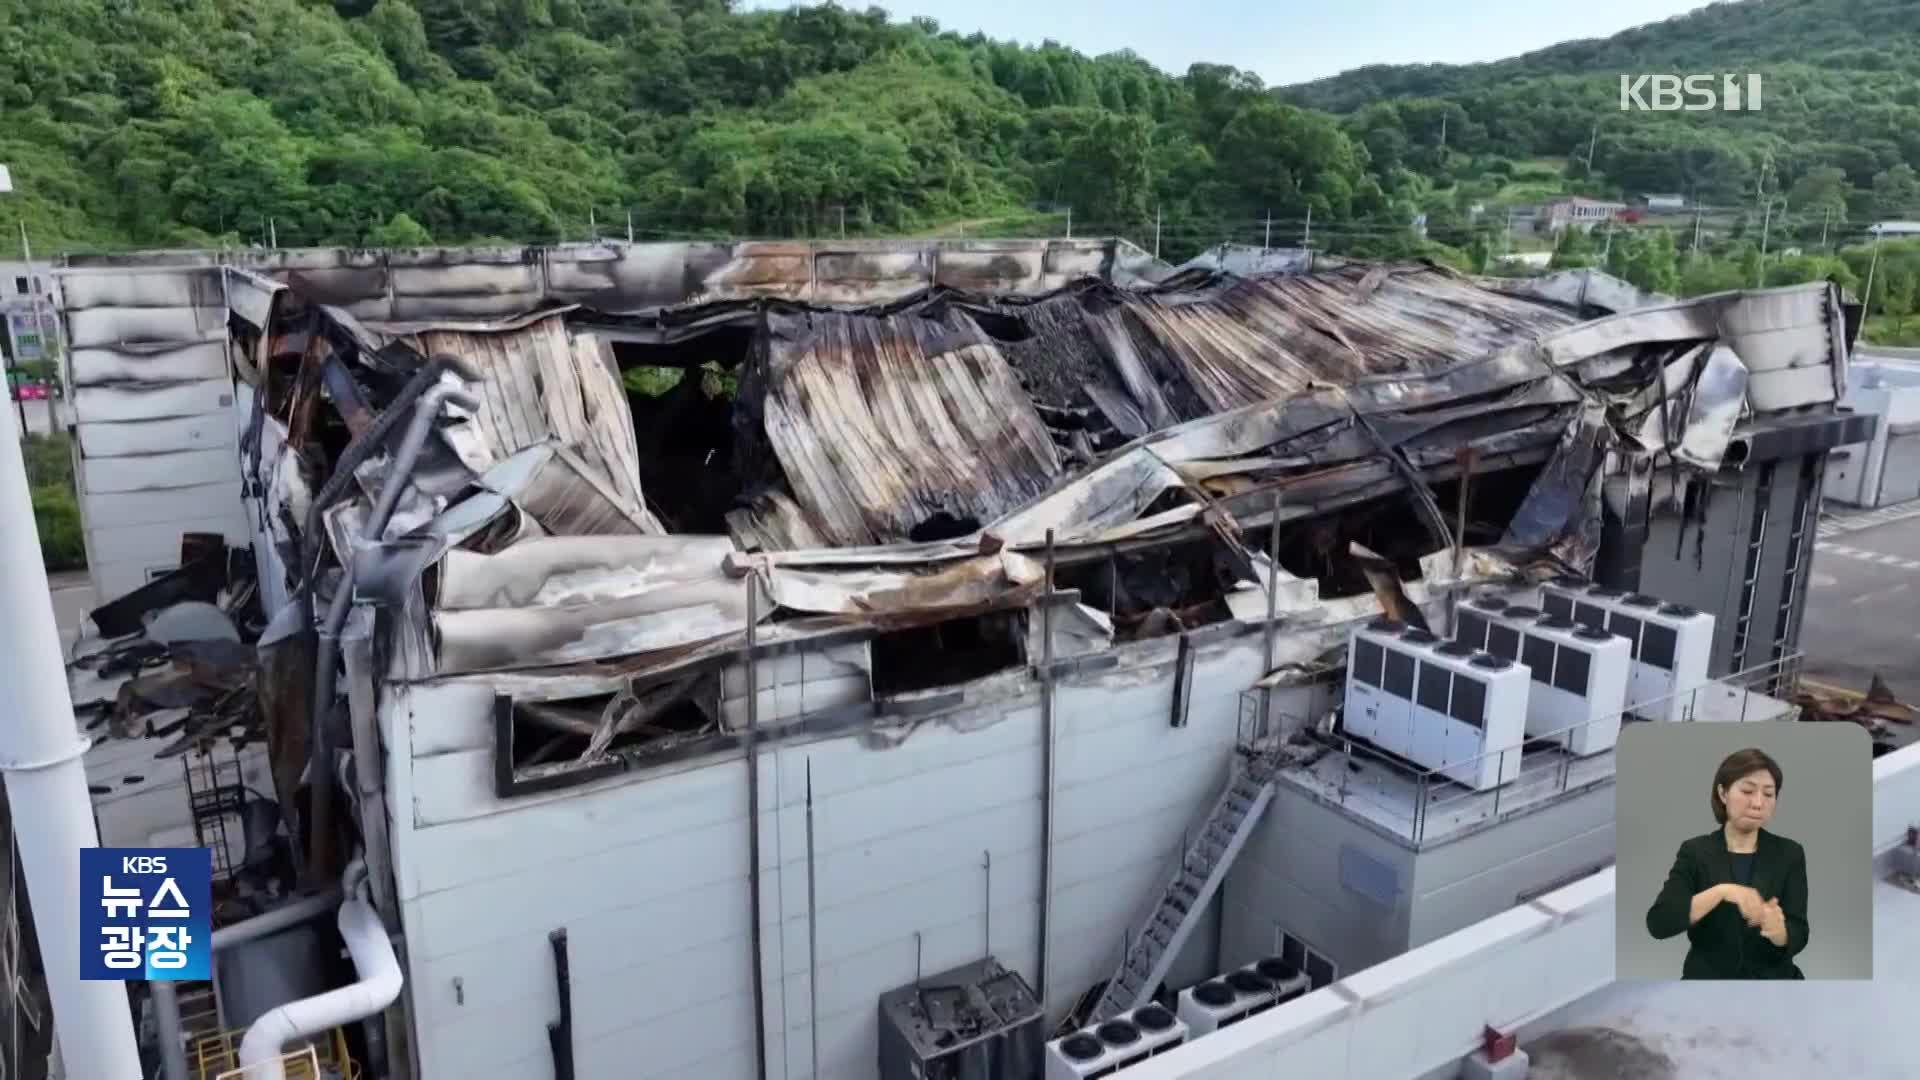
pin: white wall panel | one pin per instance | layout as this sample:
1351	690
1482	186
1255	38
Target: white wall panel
648	873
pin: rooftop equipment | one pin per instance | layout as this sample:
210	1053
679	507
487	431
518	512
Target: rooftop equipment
1579	673
1671	644
1236	995
1105	1048
1440	705
978	1021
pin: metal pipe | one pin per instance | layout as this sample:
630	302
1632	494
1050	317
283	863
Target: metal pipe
272	922
166	998
378	987
1465	458
1273	611
166	1019
987	855
1047	769
753	830
46	783
320	761
813	941
357	655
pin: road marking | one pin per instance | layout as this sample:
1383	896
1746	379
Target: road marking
1886	515
1878	558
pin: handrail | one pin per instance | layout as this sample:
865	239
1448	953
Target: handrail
1425	781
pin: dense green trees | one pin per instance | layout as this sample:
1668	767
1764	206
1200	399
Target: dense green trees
416	121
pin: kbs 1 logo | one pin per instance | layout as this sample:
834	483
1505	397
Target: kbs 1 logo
1691	93
146	914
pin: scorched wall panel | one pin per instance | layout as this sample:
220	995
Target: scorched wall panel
926	852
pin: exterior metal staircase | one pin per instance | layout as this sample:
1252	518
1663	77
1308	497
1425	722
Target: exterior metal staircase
1203	866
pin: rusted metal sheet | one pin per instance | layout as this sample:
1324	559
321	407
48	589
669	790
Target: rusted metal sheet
142	472
560	491
1258	339
185	362
977	584
131	325
562	570
542	383
213	431
122	403
183	287
668	614
1584	289
883	423
251	296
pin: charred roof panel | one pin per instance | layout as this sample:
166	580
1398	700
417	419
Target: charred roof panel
541	382
881	423
1257	339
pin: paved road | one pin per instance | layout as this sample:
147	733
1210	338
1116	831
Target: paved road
1862	600
72	599
37	419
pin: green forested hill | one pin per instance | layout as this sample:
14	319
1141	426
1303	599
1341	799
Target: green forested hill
170	122
1842	90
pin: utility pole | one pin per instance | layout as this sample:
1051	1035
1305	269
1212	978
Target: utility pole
1873	263
1825	221
1156	232
273	235
1443	130
593	227
1606	252
1069	222
1766	222
1696	231
1306	240
629	226
1267	244
1592	141
843	220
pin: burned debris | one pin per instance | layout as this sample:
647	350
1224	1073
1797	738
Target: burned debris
624	516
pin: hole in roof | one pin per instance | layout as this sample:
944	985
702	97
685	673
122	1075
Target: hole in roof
943	526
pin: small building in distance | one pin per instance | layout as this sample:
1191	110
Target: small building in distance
1894	228
1577	211
26	300
1663	204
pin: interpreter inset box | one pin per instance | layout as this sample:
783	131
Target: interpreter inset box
1744	851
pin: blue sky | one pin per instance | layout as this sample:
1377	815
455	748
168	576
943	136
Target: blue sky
1287	41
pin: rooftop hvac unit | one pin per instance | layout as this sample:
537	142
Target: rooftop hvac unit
1107	1047
1671	645
1441	705
1579	673
1233	997
1379	708
975	1022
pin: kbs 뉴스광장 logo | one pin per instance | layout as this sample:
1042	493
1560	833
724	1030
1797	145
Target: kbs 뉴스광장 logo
145	913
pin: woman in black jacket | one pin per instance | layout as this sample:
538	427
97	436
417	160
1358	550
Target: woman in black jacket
1739	892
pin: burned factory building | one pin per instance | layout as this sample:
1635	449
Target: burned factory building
763	627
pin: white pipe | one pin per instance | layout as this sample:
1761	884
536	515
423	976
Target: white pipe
46	784
276	920
378	987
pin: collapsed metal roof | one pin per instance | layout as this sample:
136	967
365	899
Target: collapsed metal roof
1095	414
